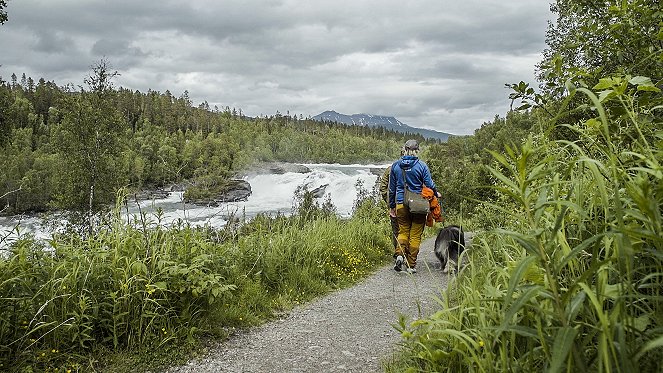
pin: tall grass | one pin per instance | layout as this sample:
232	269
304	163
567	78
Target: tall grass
139	287
573	280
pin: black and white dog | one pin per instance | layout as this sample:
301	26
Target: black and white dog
449	244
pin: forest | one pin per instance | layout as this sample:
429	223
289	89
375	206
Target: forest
73	149
565	192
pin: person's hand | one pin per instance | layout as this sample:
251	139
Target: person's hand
392	213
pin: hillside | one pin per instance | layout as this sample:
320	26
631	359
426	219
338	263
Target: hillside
146	140
371	120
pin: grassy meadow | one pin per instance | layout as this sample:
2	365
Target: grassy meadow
132	297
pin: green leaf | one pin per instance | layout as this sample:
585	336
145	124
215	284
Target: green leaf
604	95
612	291
562	347
518	305
573	307
605	83
138	268
656	343
530	245
641	80
582	247
516	276
598	306
570	86
505	180
499	157
538	208
641	323
525	331
644	84
161	285
648	88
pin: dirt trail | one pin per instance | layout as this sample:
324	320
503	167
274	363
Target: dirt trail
346	331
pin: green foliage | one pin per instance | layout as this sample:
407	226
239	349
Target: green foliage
590	40
572	279
87	145
146	289
99	140
3	13
307	208
459	165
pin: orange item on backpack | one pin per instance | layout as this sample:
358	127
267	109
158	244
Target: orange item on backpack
435	214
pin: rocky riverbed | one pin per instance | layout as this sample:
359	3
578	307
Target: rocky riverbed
233	190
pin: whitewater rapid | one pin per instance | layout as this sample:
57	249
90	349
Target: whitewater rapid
271	194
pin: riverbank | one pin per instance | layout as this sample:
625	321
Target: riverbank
139	290
273	188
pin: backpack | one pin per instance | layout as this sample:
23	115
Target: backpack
414	201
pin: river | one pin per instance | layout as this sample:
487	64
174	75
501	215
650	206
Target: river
271	194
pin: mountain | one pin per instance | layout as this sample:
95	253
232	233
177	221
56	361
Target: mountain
369	120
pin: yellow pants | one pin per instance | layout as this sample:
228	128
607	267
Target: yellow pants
410	229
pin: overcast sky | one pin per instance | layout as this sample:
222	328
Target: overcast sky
437	64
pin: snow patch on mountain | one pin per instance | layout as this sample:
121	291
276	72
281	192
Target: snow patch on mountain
372	120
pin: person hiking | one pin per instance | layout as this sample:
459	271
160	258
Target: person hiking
384	192
412	173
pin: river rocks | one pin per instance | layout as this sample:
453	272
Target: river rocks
279	168
151	194
319	192
238	190
232	191
160	192
282	168
201	195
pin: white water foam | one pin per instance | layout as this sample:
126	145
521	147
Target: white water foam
271	194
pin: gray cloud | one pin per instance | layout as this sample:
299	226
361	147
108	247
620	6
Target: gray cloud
433	64
53	43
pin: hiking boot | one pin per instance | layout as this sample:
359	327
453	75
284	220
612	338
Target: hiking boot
398	263
411	270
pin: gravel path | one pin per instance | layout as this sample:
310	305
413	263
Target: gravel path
347	331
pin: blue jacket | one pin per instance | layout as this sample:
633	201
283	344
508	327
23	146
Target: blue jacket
417	175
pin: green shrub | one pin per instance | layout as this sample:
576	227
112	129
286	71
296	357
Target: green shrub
573	279
143	288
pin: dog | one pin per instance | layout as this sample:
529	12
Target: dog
449	245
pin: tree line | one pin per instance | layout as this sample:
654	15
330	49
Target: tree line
610	47
73	148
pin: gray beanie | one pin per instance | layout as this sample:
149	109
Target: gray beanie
411	145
